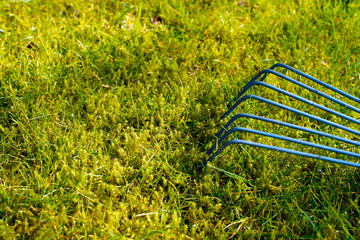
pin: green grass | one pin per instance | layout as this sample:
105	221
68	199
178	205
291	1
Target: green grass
104	117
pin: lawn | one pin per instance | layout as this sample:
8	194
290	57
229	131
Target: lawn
107	109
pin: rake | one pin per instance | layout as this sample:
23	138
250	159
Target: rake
258	80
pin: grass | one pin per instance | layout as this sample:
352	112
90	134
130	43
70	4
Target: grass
107	108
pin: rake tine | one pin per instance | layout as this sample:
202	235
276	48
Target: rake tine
270	71
276	136
291	110
315	80
278	149
285	124
311	103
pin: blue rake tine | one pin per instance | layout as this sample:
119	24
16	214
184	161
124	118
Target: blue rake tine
311	103
240	98
276	136
314	80
285	124
267	71
294	111
278	149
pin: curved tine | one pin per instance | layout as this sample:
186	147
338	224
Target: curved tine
289	139
278	149
266	71
285	124
314	80
291	110
311	103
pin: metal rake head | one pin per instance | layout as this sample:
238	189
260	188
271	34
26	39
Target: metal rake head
226	133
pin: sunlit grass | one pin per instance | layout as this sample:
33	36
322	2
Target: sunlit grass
105	114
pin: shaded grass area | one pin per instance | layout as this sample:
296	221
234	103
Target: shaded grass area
107	107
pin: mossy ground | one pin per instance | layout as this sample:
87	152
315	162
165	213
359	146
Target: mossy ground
107	107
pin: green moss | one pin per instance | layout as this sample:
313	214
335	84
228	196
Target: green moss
105	115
